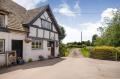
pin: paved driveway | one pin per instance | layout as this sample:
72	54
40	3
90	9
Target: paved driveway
64	68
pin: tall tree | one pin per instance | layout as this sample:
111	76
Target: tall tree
94	38
112	33
62	34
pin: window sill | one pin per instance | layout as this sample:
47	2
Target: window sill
1	53
37	49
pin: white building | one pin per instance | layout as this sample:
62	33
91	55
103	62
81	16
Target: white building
30	33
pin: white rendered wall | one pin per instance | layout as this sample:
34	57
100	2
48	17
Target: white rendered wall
37	22
46	34
40	33
33	32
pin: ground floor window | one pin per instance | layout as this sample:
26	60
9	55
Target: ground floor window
37	44
2	46
48	43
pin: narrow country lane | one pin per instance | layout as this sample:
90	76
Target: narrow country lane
75	52
65	68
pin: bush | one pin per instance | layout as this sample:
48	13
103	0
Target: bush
64	50
85	52
118	49
104	52
41	58
30	60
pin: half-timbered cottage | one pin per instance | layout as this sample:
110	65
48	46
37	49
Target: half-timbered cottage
31	33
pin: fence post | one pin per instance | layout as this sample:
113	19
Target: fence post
116	56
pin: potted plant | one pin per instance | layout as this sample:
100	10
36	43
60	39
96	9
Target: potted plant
20	61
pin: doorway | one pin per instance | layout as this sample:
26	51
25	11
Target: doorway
52	44
17	45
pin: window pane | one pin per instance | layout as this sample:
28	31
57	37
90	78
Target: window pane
37	44
2	19
33	44
1	46
48	43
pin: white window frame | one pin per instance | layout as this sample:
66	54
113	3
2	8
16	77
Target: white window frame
38	44
2	49
2	24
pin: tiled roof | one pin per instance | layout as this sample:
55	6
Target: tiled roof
18	15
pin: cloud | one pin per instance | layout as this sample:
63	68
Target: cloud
88	29
66	10
108	13
29	4
73	34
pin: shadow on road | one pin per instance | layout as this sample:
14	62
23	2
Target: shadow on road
32	65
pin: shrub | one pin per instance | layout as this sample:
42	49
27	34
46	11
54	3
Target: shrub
85	52
118	54
41	58
64	50
104	52
30	60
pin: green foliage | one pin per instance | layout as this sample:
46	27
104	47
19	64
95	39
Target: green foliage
79	44
30	60
110	35
62	33
85	52
100	41
94	38
64	50
104	52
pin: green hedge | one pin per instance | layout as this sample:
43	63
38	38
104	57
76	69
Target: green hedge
105	53
64	50
85	52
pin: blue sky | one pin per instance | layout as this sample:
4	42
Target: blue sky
77	16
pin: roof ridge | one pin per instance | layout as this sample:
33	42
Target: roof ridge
44	6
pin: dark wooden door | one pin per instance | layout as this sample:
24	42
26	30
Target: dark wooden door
17	45
52	49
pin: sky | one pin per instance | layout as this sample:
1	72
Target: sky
77	16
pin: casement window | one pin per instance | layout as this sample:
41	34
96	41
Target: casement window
2	46
46	24
2	20
37	44
48	43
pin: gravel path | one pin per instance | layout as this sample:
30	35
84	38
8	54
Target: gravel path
65	68
75	52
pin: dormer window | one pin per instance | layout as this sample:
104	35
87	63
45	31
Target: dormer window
2	20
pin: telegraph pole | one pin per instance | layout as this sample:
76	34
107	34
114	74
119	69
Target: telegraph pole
81	36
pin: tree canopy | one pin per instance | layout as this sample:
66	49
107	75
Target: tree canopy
111	34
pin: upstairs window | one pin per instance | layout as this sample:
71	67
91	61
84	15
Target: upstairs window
2	20
46	24
2	46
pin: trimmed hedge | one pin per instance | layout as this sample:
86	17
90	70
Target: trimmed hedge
105	53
